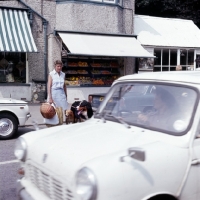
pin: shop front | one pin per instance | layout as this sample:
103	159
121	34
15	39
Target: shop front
15	42
93	61
175	43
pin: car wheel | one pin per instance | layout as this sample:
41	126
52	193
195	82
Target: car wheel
8	126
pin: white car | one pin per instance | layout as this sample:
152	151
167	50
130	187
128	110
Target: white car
121	153
13	113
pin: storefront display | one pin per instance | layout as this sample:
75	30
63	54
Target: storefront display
90	72
12	67
145	64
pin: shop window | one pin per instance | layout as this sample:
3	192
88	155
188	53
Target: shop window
165	68
187	59
12	67
191	59
157	69
197	61
146	63
173	58
165	60
183	57
91	71
157	53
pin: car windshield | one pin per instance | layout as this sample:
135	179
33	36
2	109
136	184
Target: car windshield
165	108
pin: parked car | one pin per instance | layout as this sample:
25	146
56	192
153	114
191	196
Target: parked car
96	99
13	113
123	152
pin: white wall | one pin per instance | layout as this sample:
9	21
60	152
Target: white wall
16	92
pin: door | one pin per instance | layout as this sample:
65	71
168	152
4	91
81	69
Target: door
191	186
196	163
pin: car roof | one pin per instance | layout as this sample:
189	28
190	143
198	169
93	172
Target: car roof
171	76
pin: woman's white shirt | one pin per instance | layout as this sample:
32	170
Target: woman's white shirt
57	81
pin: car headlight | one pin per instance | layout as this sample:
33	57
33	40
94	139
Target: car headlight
20	149
86	186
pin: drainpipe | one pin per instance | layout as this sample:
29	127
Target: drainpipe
45	24
45	56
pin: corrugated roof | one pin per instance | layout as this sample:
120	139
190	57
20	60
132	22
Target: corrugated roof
15	32
169	32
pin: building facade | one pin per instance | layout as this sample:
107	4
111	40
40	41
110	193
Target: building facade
29	69
174	42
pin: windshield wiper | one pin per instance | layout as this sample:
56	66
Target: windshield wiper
102	116
119	119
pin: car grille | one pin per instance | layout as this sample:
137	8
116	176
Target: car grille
53	188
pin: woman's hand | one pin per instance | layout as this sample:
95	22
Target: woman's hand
50	100
142	118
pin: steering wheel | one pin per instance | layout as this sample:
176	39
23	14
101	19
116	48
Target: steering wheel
123	112
147	110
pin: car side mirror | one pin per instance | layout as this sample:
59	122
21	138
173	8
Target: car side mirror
135	153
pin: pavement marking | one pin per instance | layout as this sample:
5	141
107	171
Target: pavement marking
8	162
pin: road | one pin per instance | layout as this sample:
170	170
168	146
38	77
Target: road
9	166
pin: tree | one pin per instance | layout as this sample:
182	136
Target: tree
184	9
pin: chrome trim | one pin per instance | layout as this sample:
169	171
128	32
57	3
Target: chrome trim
6	126
28	115
22	194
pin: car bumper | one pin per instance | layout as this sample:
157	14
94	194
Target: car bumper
28	115
22	193
27	191
22	120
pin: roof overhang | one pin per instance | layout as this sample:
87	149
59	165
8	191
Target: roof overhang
95	44
166	32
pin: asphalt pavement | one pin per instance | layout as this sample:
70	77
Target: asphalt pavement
35	114
9	165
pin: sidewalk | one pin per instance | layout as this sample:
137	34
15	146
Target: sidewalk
36	116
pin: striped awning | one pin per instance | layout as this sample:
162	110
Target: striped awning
15	31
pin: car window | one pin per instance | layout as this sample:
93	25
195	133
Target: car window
168	108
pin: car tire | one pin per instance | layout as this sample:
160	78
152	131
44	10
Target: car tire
8	126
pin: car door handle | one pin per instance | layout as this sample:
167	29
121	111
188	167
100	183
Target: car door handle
195	162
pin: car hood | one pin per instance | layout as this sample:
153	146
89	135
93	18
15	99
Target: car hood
66	150
11	101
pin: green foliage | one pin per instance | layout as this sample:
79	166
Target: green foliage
184	9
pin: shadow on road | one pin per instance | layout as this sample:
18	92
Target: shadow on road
26	129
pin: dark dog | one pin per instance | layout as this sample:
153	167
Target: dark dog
80	112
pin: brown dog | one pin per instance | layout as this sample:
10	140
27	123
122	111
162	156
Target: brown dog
69	117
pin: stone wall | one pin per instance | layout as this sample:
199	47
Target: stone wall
88	17
38	92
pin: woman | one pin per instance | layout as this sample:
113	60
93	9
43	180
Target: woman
164	113
57	92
